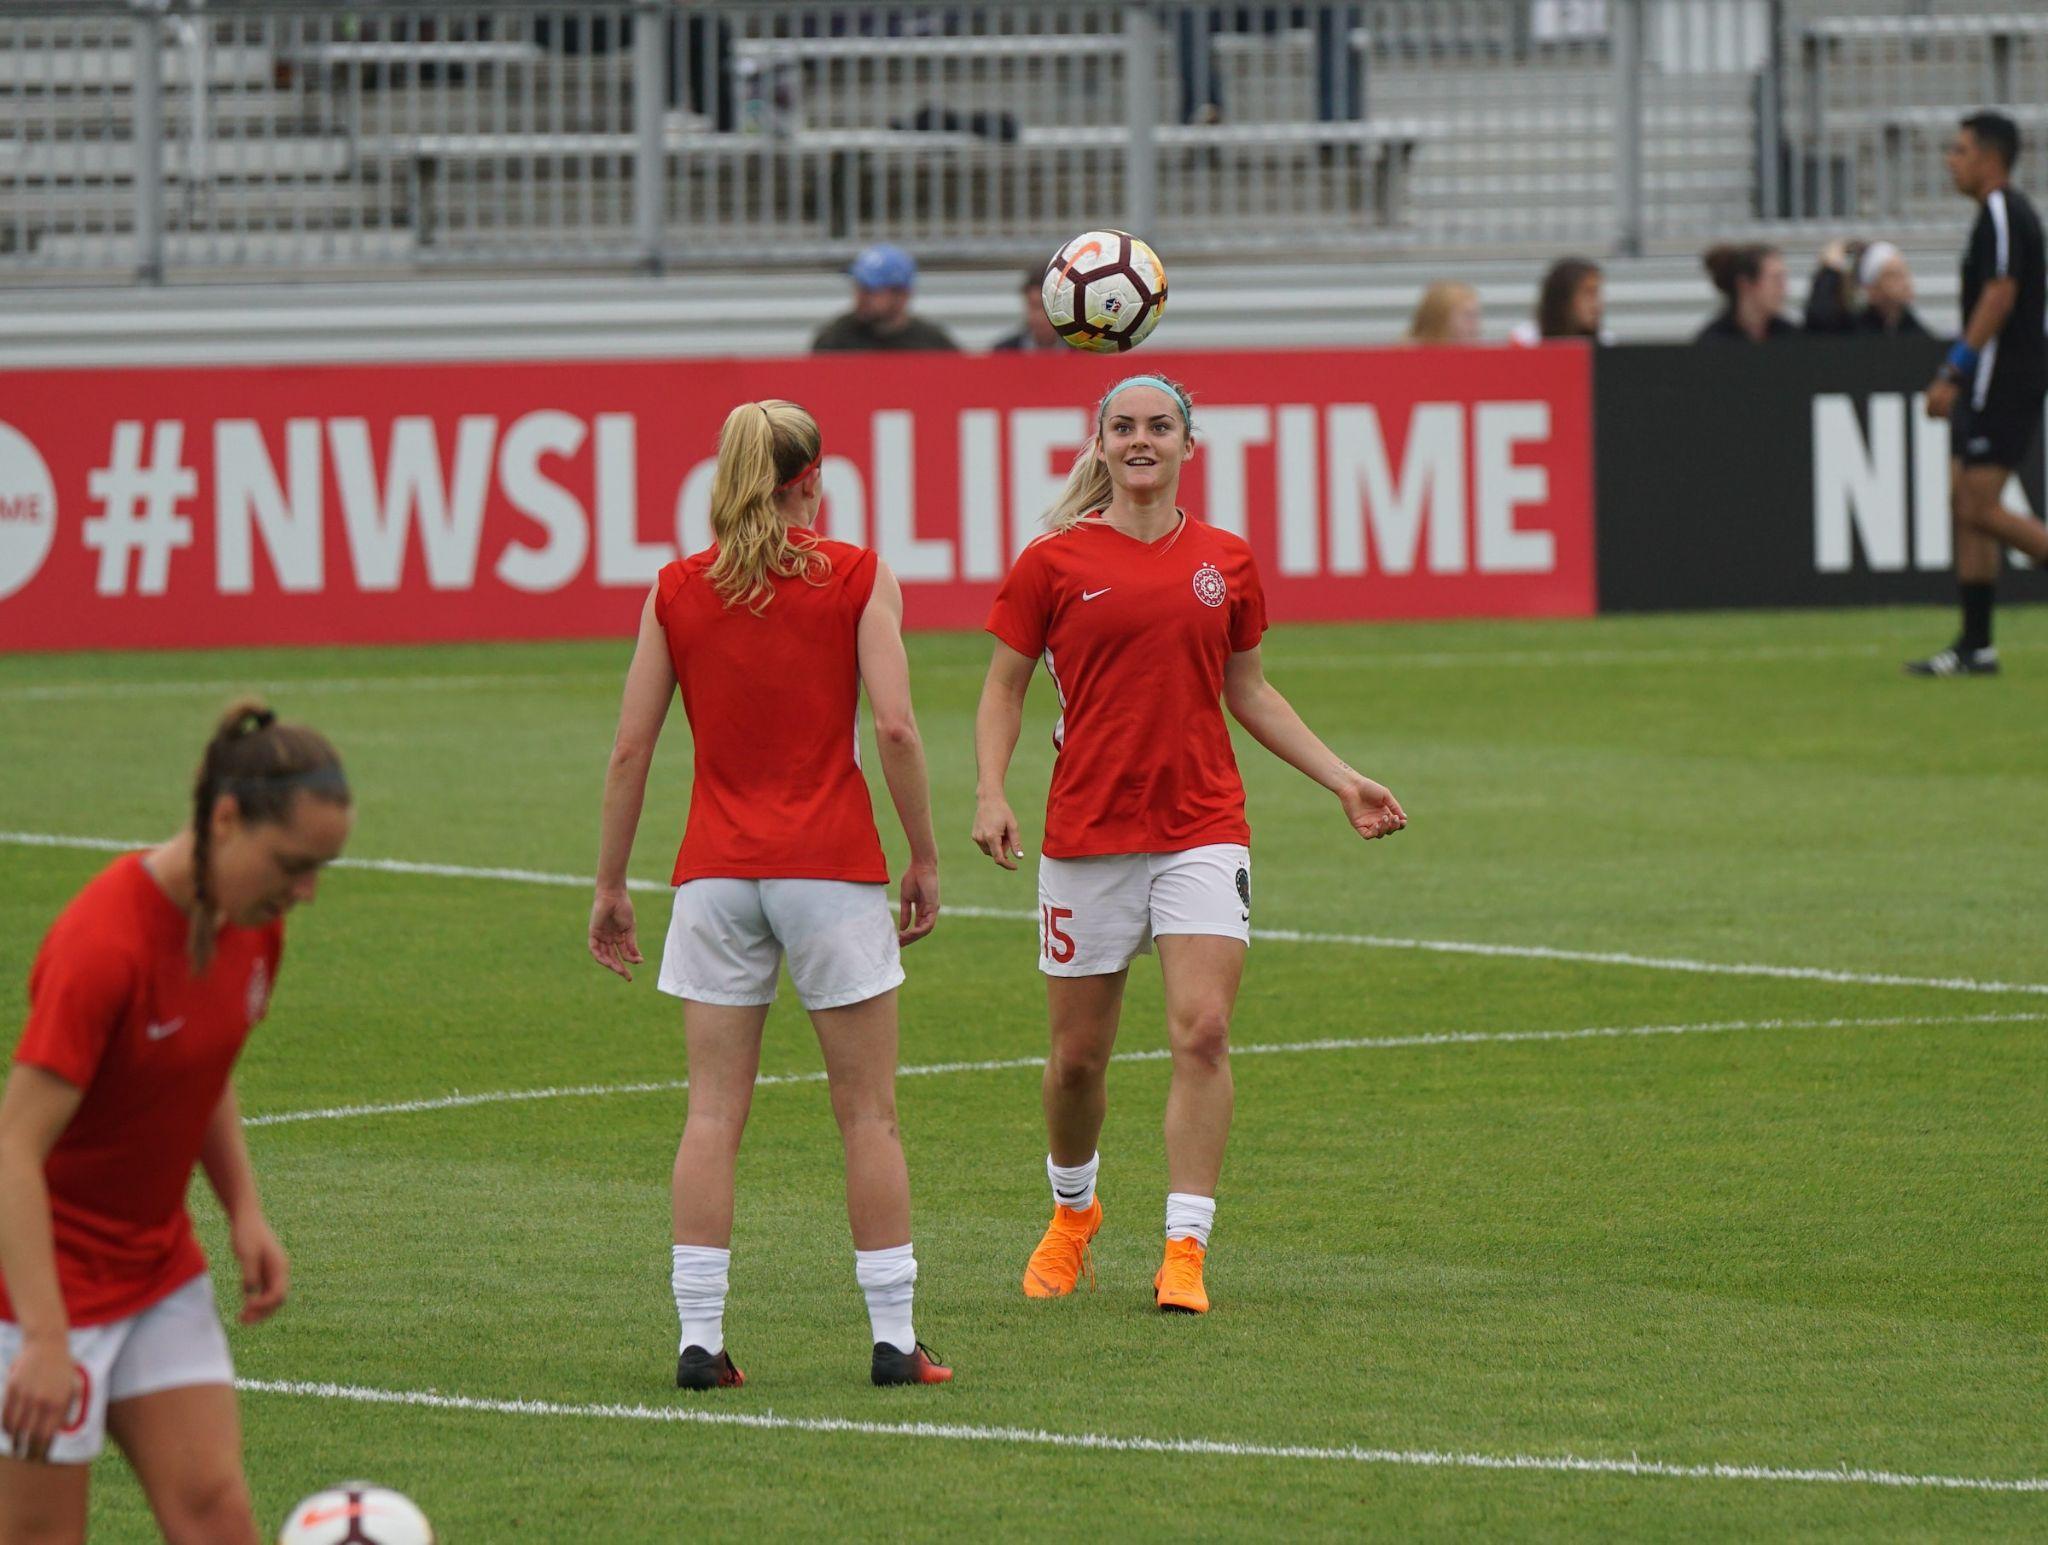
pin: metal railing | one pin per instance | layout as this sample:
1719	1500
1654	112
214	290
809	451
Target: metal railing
258	135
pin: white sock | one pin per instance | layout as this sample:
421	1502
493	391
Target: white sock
1189	1216
698	1277
1073	1185
888	1277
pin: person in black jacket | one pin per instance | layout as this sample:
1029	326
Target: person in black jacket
1863	288
1036	332
883	277
1752	276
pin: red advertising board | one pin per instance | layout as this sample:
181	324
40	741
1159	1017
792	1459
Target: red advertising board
156	507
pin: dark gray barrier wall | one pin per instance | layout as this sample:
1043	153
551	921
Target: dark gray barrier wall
1801	473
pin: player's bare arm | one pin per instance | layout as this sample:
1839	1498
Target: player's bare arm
1270	719
1987	320
42	1383
998	721
885	675
266	1270
650	687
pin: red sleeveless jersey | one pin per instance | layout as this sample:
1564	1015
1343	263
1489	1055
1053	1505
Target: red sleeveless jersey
774	705
114	1009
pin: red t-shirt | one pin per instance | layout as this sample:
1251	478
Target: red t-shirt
774	706
113	1008
1135	636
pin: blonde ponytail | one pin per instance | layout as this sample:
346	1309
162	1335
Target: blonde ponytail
763	448
1088	485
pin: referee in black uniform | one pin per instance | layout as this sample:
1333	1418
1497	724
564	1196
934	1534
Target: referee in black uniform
1992	384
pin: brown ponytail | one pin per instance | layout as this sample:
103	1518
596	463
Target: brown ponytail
264	765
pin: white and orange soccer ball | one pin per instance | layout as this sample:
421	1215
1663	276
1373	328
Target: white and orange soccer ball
1104	291
356	1513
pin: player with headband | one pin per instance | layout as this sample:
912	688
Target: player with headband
1148	623
139	1002
771	633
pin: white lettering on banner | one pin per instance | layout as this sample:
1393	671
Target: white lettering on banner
846	501
1933	532
1295	457
539	570
247	499
981	515
1431	487
1859	487
1225	434
914	558
693	507
622	558
28	510
1036	484
1503	547
450	519
139	516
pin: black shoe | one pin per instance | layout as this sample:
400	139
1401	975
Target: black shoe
699	1369
1956	661
914	1367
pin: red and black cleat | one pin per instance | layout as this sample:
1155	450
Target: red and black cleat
699	1369
914	1367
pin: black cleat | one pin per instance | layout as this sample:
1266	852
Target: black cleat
914	1367
1956	661
699	1369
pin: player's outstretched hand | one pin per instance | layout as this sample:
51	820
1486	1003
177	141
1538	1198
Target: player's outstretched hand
43	1387
920	903
995	831
1372	809
612	941
266	1272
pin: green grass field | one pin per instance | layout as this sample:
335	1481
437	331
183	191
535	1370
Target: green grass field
1800	1232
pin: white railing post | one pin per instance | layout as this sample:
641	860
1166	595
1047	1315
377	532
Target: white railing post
1141	115
146	31
1626	42
650	103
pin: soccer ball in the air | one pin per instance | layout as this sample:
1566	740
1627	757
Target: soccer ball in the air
1104	291
356	1513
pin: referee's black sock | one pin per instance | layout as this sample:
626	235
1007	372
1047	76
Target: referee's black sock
1976	615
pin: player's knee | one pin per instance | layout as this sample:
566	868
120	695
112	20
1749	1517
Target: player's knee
1075	1068
214	1509
864	1113
42	1528
1202	1037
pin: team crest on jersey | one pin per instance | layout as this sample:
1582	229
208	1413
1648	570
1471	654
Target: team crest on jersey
258	998
1209	587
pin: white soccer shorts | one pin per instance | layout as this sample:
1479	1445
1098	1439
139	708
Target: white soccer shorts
1095	915
176	1342
727	938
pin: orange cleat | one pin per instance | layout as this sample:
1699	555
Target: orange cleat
1062	1255
1177	1286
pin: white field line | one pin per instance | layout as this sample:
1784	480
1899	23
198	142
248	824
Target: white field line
1207	1448
1277	935
458	1100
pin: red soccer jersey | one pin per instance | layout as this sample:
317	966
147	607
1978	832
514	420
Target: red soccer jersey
115	1009
1135	636
774	706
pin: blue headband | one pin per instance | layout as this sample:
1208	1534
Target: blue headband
1157	383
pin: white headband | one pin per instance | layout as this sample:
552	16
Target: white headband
1875	257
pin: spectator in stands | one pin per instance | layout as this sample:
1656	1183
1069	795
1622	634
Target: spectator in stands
1571	304
1862	287
1752	277
1447	313
1340	87
1037	331
880	319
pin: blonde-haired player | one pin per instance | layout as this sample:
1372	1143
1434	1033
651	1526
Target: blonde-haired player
1148	621
771	633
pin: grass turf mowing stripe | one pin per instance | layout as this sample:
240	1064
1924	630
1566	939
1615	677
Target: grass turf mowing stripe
458	1101
1562	1464
1275	935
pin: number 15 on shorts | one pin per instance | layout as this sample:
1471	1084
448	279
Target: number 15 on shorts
1056	944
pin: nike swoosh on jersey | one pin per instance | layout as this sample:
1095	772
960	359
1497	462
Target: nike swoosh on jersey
1089	595
167	1029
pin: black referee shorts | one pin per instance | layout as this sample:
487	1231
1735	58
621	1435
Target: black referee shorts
1997	434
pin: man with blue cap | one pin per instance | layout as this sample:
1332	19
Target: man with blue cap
880	319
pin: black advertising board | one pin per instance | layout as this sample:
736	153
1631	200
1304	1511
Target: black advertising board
1797	473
